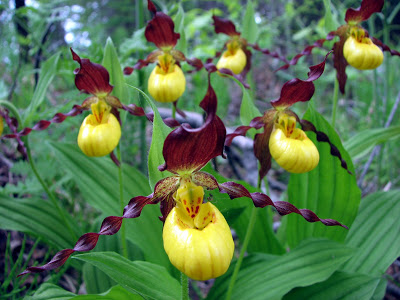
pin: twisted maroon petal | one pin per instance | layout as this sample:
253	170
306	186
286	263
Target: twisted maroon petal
385	47
224	26
367	8
235	190
297	90
91	78
12	123
160	29
322	137
211	68
256	123
110	226
139	111
268	52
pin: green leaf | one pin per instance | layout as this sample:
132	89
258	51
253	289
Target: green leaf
115	293
144	278
248	111
33	216
160	132
47	73
375	233
311	262
329	22
180	28
97	179
364	141
49	291
328	190
113	66
343	286
250	28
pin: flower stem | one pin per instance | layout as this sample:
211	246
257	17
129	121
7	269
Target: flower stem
173	110
335	102
246	241
185	287
121	202
51	196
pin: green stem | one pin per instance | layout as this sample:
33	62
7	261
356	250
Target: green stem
185	286
51	196
173	110
335	102
246	241
121	202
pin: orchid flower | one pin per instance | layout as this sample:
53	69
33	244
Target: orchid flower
281	140
196	236
354	47
166	82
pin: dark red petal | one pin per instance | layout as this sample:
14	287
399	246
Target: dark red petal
340	63
211	68
91	78
261	150
139	111
224	26
268	52
297	90
367	8
187	149
385	47
322	137
235	190
160	29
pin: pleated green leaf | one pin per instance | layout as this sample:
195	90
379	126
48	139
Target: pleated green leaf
144	278
340	286
48	291
328	190
311	262
97	179
250	28
160	132
364	141
33	216
46	75
375	234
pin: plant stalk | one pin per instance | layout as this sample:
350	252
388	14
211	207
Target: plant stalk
121	202
335	101
185	287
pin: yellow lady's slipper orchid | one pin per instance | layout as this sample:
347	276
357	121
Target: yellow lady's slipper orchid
290	146
167	81
100	132
233	59
196	236
360	52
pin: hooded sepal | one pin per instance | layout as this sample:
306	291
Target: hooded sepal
160	29
91	78
235	190
224	26
297	90
367	8
322	137
187	150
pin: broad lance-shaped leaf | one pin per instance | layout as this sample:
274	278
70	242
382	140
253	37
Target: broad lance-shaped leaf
329	189
341	285
32	216
375	234
272	277
147	279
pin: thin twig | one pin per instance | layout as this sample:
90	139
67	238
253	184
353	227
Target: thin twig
378	148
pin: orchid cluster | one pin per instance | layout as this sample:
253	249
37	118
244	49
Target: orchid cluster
196	236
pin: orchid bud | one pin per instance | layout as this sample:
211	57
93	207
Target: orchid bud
100	132
167	81
196	236
361	53
234	60
290	146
